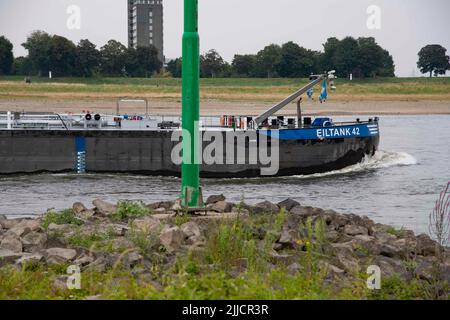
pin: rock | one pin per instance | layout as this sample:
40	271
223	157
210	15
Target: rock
133	259
426	246
161	205
3	217
86	214
160	211
78	207
61	228
288	238
346	260
221	207
215	198
354	230
30	259
177	206
332	236
25	226
12	243
265	207
425	270
34	241
8	257
9	223
104	208
390	267
392	251
384	237
84	260
172	238
118	230
148	225
294	268
288	204
302	211
60	255
121	244
191	229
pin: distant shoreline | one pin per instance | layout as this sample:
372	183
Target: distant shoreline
216	108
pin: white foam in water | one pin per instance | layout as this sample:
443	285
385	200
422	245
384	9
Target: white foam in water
381	159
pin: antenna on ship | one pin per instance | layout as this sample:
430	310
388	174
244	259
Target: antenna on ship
191	192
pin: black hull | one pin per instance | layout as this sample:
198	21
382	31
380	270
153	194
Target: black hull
149	153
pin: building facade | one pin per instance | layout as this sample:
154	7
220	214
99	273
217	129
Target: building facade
145	25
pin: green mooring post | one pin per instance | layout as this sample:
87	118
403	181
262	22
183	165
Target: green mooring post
191	194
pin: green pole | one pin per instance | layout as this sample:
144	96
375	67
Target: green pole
191	195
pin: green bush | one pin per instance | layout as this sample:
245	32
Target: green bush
131	209
63	217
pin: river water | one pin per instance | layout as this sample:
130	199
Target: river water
398	186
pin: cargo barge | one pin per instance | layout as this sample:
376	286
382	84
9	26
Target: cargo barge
147	144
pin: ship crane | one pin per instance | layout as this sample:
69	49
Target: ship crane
315	80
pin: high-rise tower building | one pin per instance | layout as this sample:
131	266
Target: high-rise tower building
145	25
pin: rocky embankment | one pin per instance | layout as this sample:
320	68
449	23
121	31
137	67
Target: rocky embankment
108	235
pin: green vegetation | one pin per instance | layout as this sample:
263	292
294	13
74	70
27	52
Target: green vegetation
396	232
130	210
63	217
224	89
237	262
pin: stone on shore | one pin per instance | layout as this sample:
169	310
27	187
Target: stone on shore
215	198
60	255
172	238
288	204
265	207
104	208
220	207
12	243
34	241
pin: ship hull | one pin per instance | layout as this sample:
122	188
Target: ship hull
151	153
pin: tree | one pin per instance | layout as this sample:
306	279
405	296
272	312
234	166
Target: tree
433	59
87	59
296	61
244	65
346	58
175	67
327	59
113	58
39	45
267	61
62	56
387	68
142	62
6	56
211	64
22	66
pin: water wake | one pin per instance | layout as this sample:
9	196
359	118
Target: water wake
381	160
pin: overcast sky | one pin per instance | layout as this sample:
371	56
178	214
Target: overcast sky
246	26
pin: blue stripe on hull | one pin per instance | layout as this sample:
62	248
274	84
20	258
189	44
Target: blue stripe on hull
335	132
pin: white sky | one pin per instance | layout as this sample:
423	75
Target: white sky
245	26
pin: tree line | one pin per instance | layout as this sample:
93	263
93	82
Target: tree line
64	59
362	57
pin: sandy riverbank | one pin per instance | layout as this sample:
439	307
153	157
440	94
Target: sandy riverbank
213	107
